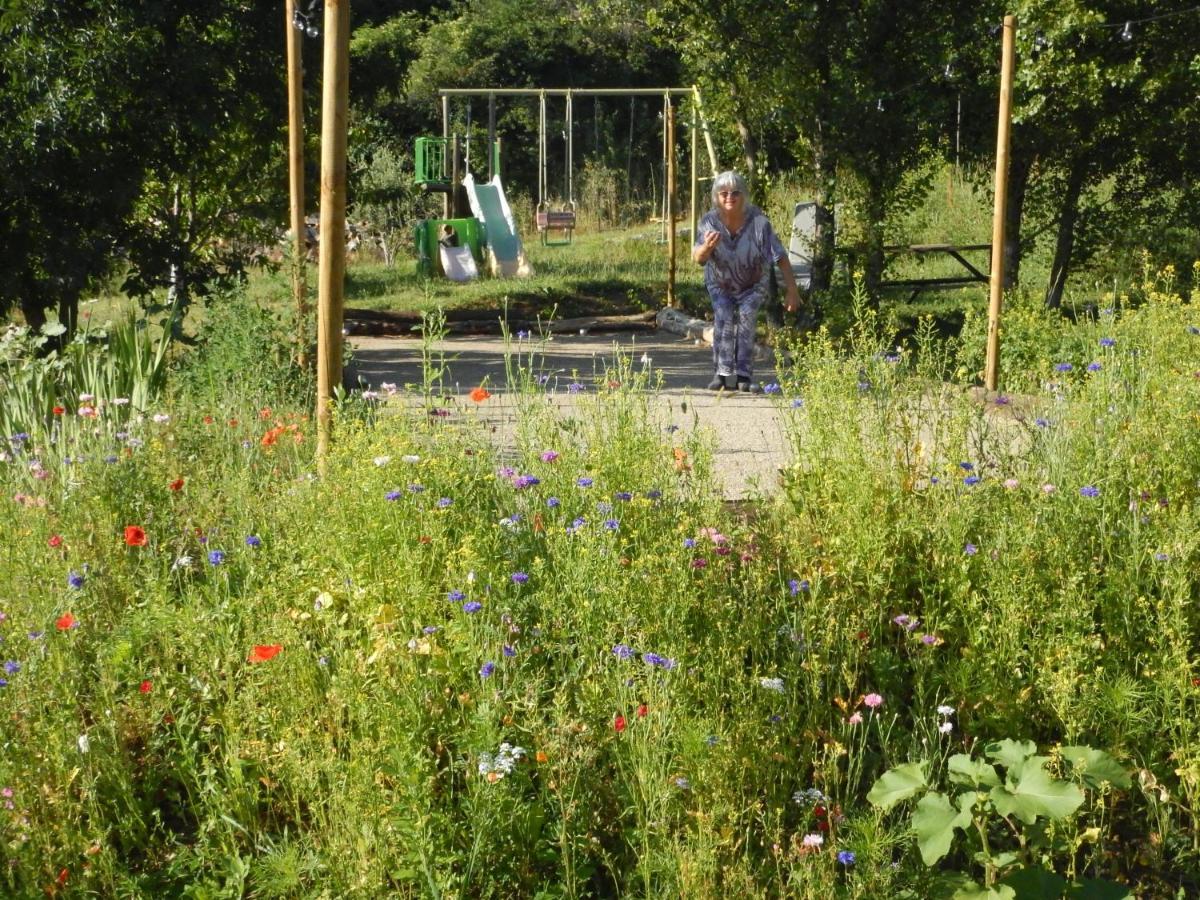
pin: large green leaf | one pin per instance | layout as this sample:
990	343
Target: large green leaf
1011	754
973	772
898	784
1035	794
999	892
1096	767
1095	889
1035	883
934	822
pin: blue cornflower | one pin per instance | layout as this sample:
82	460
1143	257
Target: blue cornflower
519	577
574	387
110	459
508	651
472	606
846	857
603	507
1094	367
443	502
623	496
12	667
75	580
612	524
970	549
253	540
3	682
797	403
216	557
584	482
663	662
486	670
1089	491
455	596
653	494
392	495
772	388
524	481
1107	342
966	466
971	480
622	651
689	543
795	587
1041	423
522	334
712	740
553	502
431	629
576	525
1063	367
1161	557
416	488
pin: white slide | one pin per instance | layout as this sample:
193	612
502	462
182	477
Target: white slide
458	264
506	255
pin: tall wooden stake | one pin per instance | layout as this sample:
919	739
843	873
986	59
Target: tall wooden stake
335	95
296	180
694	187
670	204
991	375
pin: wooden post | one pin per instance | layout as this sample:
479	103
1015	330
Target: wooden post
991	375
335	95
695	184
670	204
296	180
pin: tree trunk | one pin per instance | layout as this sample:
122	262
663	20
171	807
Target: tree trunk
1065	244
873	268
1019	168
749	147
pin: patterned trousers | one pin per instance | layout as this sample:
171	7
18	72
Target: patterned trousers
734	321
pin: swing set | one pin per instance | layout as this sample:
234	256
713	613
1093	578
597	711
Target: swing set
561	221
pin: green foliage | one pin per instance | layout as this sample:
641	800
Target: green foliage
1026	793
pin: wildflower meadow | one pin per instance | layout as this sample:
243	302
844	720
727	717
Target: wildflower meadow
951	654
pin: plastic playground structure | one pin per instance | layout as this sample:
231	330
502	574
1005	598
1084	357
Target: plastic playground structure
477	227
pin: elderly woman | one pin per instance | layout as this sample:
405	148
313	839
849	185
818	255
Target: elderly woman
737	247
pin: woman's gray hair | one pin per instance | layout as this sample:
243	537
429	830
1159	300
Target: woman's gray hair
729	180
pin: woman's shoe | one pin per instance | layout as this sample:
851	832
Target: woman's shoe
746	386
731	382
717	383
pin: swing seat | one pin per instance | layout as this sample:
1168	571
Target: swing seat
561	220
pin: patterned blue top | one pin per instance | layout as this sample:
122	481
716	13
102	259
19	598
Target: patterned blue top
740	266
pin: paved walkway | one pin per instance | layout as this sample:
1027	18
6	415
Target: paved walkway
750	446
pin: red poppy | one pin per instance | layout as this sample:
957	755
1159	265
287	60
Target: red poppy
642	711
265	413
480	394
233	423
176	485
55	540
208	420
65	621
264	652
58	410
424	539
146	687
618	723
135	536
819	811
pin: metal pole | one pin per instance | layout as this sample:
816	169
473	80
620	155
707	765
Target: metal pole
670	198
296	180
996	284
335	95
542	148
447	201
491	147
570	152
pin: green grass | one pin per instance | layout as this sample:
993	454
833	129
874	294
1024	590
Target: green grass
600	273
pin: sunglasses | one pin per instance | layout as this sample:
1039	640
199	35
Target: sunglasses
724	195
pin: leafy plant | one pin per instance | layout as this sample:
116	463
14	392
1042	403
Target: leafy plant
1007	806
